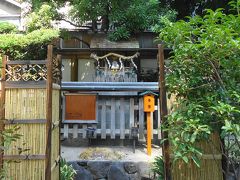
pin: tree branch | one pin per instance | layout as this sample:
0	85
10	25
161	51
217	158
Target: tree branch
201	86
217	74
236	140
76	25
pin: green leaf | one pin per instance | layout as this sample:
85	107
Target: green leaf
196	160
185	159
193	137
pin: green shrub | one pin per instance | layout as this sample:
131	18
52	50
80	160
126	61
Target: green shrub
9	136
6	27
66	171
27	46
120	33
203	73
158	168
42	18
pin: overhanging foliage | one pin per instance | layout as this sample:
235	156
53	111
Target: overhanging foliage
27	46
204	73
120	19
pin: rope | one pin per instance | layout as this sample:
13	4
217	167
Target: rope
94	56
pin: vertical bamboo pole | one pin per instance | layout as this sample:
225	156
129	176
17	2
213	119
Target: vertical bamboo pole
2	106
149	134
163	109
49	114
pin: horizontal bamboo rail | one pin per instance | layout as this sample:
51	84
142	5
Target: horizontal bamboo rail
25	121
24	157
26	62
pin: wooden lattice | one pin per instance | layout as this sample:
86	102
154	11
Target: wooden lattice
26	72
33	70
56	61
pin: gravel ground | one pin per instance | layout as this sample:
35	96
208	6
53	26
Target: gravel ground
71	153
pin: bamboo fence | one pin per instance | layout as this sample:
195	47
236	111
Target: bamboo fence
32	103
211	161
210	167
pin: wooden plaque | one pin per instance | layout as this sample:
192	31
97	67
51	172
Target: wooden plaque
80	107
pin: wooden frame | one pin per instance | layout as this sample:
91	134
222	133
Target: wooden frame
36	91
78	121
48	152
163	110
2	105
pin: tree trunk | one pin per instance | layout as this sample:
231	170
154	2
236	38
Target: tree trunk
105	20
105	23
94	26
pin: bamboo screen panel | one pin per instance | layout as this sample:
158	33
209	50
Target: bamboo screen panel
27	104
26	170
211	166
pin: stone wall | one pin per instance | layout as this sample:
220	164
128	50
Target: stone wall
111	170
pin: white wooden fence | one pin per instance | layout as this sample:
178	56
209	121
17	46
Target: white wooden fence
115	117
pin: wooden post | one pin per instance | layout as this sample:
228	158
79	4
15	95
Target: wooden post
149	107
59	58
2	105
149	134
141	119
49	113
163	110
